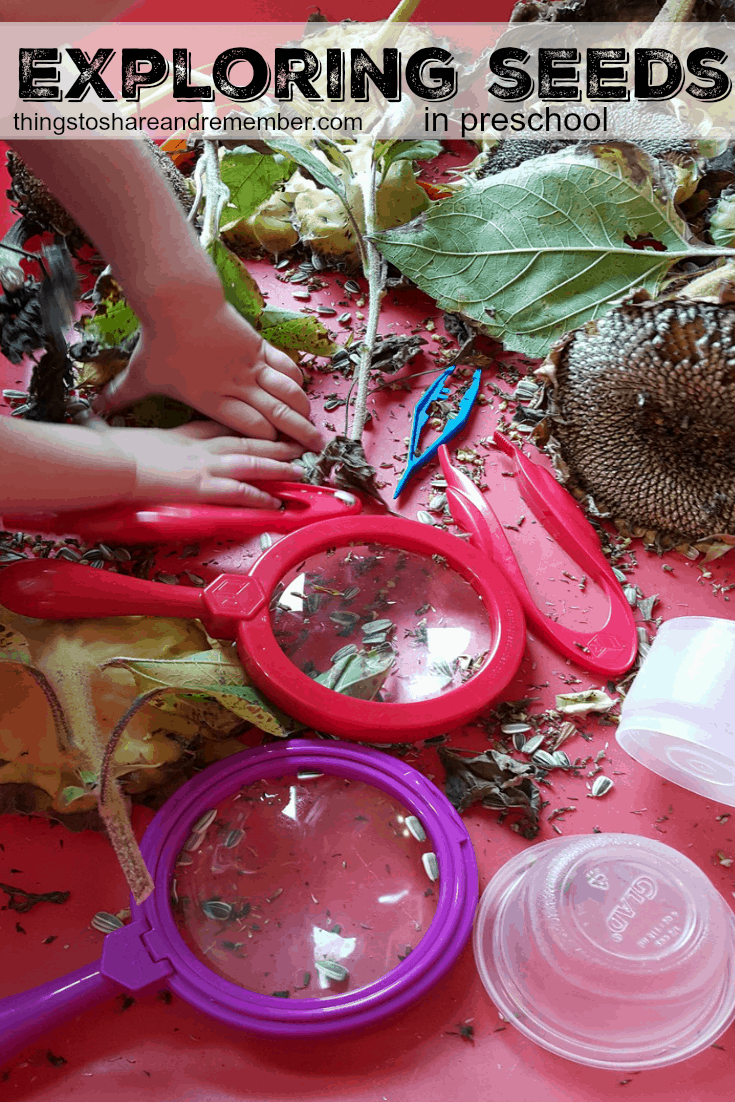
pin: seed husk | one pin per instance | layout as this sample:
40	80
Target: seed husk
376	627
106	923
266	541
416	828
217	909
601	785
546	761
332	970
344	618
352	287
562	759
431	866
351	593
424	517
167	579
204	821
344	652
530	746
233	838
326	311
345	319
302	296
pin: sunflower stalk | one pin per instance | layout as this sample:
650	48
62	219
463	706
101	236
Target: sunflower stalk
375	272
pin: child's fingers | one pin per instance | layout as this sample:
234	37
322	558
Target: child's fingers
279	361
268	449
275	402
254	467
242	418
280	386
228	491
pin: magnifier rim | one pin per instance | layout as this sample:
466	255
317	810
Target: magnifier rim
447	934
350	718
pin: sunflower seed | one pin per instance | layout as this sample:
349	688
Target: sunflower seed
332	970
622	578
347	619
519	741
301	277
98	564
352	287
431	865
195	579
631	594
376	627
424	517
302	296
167	579
308	774
345	319
344	652
326	311
546	761
217	909
184	859
645	606
437	503
317	262
562	759
68	553
92	554
106	552
233	838
21	410
10	556
307	266
351	593
532	744
106	923
122	554
266	541
17	394
601	785
282	264
515	728
192	843
204	821
313	603
415	827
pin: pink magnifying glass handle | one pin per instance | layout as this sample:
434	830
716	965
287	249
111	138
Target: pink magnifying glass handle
610	651
66	591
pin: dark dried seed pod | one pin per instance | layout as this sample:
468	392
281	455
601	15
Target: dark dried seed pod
644	411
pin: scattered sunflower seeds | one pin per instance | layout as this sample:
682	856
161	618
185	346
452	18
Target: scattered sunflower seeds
105	922
233	838
326	311
352	287
546	761
345	319
415	827
217	909
424	517
266	541
167	579
601	785
345	619
332	970
344	652
303	296
431	865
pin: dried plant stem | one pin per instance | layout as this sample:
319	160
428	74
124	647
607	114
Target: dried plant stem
375	275
216	195
114	813
63	733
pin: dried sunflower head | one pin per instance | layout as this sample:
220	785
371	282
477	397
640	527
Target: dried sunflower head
644	412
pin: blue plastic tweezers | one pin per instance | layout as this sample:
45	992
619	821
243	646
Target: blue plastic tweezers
437	390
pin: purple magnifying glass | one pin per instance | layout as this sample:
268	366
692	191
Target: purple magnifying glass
302	889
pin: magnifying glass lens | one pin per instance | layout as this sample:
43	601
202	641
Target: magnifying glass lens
379	623
305	886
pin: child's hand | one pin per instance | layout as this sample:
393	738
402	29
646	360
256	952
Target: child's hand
218	364
201	462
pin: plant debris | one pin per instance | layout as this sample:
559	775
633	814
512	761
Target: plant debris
497	781
22	901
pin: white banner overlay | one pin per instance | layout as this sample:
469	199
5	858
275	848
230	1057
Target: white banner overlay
592	81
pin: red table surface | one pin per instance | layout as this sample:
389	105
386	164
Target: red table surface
158	1050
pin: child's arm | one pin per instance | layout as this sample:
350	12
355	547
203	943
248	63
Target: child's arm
194	346
57	467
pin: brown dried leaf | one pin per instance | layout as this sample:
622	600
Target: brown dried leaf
497	781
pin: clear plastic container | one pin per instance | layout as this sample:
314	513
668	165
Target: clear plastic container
678	718
613	950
